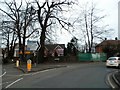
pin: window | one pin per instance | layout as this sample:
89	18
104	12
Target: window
112	58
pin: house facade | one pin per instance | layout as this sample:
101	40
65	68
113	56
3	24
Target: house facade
54	49
50	50
106	43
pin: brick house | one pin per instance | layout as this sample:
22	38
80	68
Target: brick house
50	49
106	43
54	49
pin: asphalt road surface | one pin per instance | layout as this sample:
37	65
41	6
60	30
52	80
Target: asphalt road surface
9	74
73	76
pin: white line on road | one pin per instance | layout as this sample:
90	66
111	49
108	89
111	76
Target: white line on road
46	70
42	71
3	74
35	73
115	78
13	83
110	81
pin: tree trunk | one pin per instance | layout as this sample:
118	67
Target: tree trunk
87	31
42	47
20	47
23	50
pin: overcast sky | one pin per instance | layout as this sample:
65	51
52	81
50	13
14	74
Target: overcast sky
110	8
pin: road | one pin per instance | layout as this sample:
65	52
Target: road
9	74
91	75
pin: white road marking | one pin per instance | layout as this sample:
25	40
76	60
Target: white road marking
46	70
35	73
3	74
110	81
13	83
115	78
42	71
19	75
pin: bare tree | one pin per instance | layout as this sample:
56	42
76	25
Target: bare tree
9	39
23	19
91	25
46	12
27	24
14	16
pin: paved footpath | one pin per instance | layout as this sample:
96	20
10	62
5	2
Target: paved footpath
40	67
44	66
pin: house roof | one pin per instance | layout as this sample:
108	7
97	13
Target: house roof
109	42
53	46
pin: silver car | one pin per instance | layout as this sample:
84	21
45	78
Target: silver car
113	61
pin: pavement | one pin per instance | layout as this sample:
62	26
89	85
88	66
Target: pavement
39	67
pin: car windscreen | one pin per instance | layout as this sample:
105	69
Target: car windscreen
112	58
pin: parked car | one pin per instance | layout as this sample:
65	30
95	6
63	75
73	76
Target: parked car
113	62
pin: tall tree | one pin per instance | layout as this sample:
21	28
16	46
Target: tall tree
9	38
28	19
72	46
46	12
91	25
14	16
23	19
